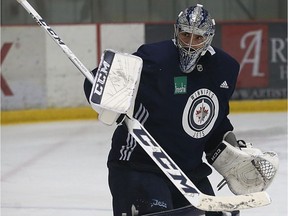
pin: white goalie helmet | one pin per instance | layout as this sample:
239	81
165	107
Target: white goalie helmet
194	31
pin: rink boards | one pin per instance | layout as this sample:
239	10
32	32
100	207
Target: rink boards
38	82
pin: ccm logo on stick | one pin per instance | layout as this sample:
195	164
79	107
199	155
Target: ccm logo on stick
164	162
41	22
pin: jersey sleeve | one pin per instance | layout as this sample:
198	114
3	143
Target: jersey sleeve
230	68
87	86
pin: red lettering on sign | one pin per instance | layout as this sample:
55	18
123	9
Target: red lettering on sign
4	85
248	44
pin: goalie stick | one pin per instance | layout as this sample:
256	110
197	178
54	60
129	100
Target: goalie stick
159	156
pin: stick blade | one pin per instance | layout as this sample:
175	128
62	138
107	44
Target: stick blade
232	203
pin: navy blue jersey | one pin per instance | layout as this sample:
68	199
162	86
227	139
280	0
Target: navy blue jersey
185	113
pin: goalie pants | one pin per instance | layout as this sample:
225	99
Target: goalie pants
144	192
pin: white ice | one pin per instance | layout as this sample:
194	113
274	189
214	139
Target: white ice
59	168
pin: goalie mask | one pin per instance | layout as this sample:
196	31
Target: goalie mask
194	31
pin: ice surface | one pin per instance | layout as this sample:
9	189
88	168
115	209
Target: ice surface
59	168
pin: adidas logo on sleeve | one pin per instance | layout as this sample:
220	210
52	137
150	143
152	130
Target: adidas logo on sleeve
224	85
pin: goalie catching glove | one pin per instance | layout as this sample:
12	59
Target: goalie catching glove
245	169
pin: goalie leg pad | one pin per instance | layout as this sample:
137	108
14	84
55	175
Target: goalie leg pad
247	170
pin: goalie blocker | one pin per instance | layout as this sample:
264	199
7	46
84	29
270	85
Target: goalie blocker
115	85
245	169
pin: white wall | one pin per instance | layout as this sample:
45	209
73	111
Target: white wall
24	68
39	73
122	37
64	82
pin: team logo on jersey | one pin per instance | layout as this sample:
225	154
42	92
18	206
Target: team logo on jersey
180	85
200	113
